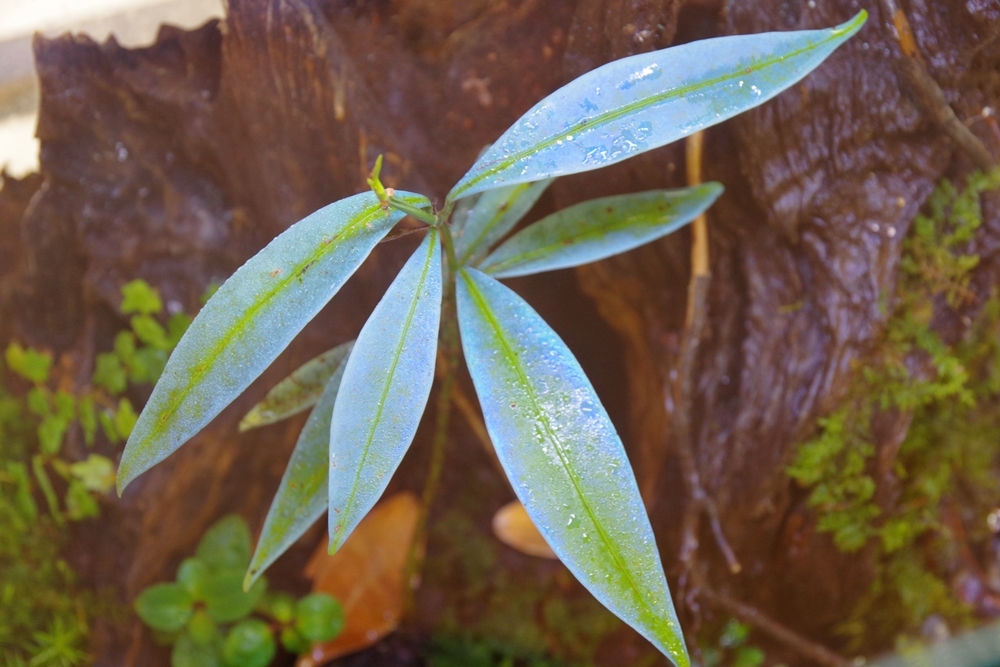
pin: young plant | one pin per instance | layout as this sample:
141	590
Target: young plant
563	457
194	612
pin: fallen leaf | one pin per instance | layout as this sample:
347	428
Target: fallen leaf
366	576
513	526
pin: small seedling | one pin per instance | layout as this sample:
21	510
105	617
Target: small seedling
209	618
552	435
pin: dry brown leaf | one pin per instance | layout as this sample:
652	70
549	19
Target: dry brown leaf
366	576
513	526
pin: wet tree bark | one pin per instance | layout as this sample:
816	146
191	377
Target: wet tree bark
176	162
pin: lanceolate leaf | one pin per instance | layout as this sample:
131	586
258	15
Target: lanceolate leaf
384	390
598	228
495	214
563	457
298	391
636	104
302	495
251	319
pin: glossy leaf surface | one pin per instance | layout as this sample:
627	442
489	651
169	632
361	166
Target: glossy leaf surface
385	387
302	496
635	104
495	213
598	228
251	319
563	457
299	391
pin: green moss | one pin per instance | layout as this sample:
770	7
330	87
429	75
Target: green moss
948	458
43	613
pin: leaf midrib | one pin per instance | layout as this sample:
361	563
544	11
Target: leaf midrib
557	444
335	543
614	114
175	401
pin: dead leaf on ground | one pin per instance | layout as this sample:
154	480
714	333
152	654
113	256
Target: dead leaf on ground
513	526
366	576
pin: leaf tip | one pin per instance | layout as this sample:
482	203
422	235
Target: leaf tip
849	28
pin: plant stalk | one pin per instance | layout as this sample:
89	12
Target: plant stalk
448	360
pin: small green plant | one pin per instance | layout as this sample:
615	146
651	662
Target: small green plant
563	457
732	648
43	616
211	620
948	456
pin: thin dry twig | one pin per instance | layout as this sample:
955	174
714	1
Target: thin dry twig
911	65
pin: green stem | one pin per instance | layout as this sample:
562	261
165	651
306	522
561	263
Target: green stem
418	213
38	465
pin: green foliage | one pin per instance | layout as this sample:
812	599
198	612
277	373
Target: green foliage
556	442
209	618
43	615
949	455
732	648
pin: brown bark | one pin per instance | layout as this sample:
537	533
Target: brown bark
176	162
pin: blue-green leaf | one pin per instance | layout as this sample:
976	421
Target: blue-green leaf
302	496
598	228
384	390
297	392
251	319
563	457
495	213
635	104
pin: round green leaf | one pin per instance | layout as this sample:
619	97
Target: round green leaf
293	641
249	644
225	600
227	544
191	575
319	617
188	653
281	606
166	607
202	629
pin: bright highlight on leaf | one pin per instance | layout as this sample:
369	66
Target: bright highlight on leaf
299	391
635	104
598	228
302	495
563	457
251	319
385	387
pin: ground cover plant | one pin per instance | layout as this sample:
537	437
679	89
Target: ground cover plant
210	620
554	439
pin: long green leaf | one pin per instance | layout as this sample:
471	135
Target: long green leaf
495	213
635	104
563	457
385	388
297	392
302	495
599	228
251	319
